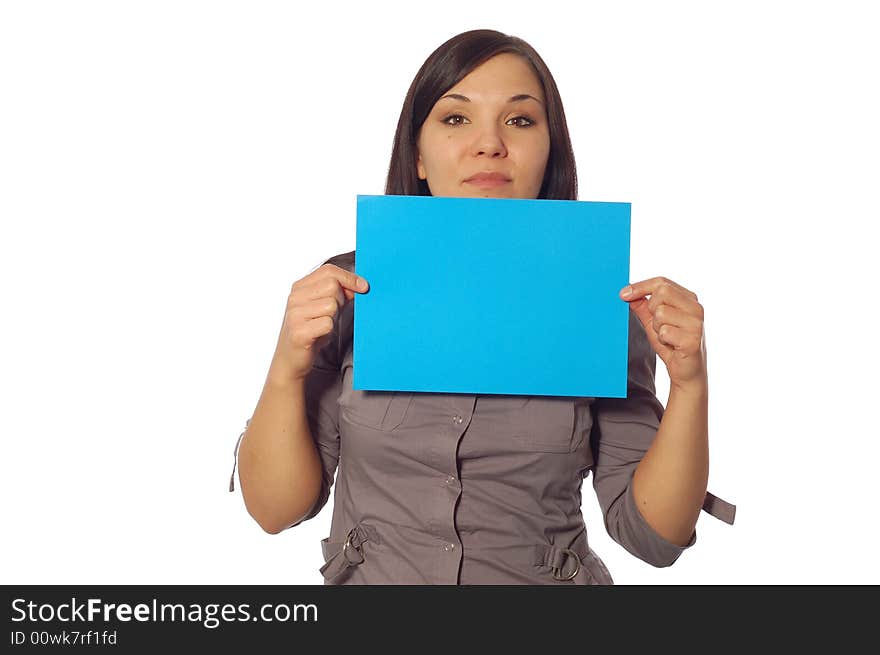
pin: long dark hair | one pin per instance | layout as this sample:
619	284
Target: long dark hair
443	69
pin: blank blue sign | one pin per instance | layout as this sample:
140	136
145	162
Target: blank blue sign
492	296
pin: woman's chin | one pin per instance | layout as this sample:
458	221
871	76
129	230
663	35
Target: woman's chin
468	191
497	192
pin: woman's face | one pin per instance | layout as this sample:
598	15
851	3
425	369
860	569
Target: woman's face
491	122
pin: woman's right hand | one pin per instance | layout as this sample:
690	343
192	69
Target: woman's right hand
312	308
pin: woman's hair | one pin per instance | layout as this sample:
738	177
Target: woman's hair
443	69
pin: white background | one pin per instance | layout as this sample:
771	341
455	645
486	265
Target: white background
169	169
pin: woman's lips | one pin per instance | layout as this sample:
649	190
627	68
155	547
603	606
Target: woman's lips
488	180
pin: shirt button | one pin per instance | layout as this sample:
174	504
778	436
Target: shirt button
448	547
450	479
458	419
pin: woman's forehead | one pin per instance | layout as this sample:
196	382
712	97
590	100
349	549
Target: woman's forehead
500	78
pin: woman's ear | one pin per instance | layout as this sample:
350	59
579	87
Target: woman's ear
420	169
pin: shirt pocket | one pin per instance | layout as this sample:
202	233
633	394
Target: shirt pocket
547	425
533	423
378	410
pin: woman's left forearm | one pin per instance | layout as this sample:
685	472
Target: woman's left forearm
669	484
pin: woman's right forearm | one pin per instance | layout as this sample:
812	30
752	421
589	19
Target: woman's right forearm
279	466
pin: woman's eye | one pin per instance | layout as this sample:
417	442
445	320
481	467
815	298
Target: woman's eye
449	118
528	121
458	119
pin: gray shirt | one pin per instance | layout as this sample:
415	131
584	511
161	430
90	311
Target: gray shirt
465	489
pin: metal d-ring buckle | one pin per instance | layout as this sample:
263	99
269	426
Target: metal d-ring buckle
577	565
347	544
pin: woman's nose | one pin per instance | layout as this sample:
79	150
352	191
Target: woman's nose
489	143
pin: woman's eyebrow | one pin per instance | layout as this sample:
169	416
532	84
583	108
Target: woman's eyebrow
517	98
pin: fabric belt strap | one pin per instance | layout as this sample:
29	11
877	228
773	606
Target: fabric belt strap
718	508
350	553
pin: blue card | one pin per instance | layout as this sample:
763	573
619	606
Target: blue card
492	296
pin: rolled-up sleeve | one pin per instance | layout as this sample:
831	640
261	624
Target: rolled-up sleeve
322	410
623	430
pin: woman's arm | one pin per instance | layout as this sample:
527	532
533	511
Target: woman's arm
669	484
285	473
279	467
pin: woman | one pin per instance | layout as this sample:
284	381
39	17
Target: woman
458	489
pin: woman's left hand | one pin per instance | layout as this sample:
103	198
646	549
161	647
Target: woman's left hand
673	321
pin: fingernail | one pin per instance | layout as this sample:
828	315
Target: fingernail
362	283
627	291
